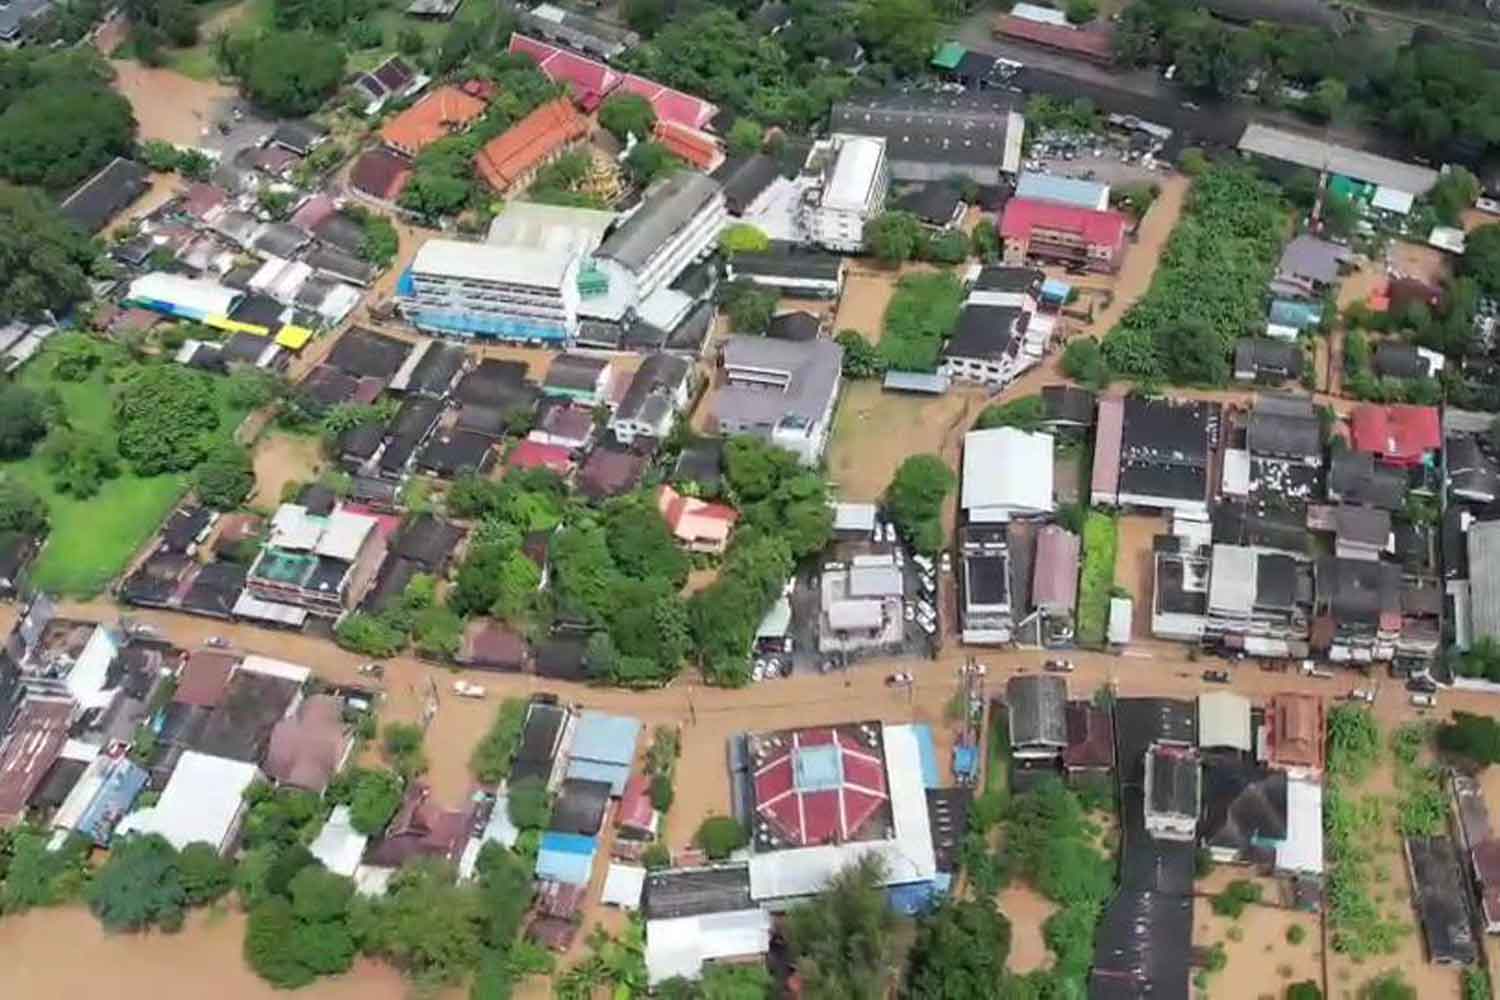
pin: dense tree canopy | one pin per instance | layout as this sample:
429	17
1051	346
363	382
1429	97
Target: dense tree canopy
959	953
290	72
45	262
21	509
914	500
164	414
140	886
59	121
626	114
23	419
842	937
225	477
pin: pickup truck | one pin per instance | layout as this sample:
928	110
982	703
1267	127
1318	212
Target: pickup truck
464	689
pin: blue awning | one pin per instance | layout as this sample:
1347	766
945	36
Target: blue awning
928	751
1054	290
565	857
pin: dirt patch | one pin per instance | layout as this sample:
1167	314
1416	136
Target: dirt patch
699	579
1027	910
281	459
875	431
866	294
169	106
1261	959
1416	261
1135	569
1141	255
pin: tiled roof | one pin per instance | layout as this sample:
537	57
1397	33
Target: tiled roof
440	113
380	174
529	143
698	148
1022	215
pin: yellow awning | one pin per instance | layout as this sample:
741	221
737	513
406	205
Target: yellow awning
294	338
235	326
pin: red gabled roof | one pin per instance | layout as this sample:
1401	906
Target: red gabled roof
591	81
533	455
636	810
698	148
671	105
380	174
1399	434
1093	44
1022	215
441	113
529	143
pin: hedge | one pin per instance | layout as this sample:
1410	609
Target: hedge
1098	579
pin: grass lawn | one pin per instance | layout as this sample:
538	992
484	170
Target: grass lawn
1098	577
92	540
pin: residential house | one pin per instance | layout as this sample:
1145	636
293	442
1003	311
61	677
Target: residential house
1067	407
1259	601
203	801
1394	359
569	426
421	828
1357	609
1357	478
659	390
745	179
1308	267
1007	473
1174	792
101	796
939	206
697	524
985	346
861	604
1035	707
1472	474
106	194
1155	454
1266	361
443	112
609	472
1089	756
1093	42
934	136
984	585
1062	234
781	391
322	564
512	158
1296	732
1396	435
1361	532
798	326
854	176
791	271
380	176
30	746
393	79
310	746
1054	581
580	378
1245	809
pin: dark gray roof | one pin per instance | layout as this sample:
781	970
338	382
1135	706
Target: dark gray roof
429	541
1235	524
341	231
1355	477
14	15
1283	434
931	128
490	380
1441	900
667	207
107	193
341	265
580	807
656	379
1264	355
934	203
771	16
455	453
1357	590
183	527
299	135
1037	703
281	239
1471	474
986	332
784	260
574	372
367	354
390	584
1368	525
1301	13
1068	404
744	178
1398	360
701	462
798	326
813	369
434	374
1008	279
690	892
1244	803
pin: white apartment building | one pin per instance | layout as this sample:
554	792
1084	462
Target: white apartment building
505	292
855	178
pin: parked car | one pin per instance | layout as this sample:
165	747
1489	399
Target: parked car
901	679
466	689
372	669
1058	666
1216	676
1362	694
1422	683
909	613
947	562
1424	700
216	642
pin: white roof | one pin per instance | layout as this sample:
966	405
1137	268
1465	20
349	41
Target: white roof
1236	481
535	226
875	581
1042	15
202	802
853	517
247	605
89	675
1449	238
1224	720
623	886
665	307
1120	614
845	615
777	622
854	174
908	855
292	527
338	845
483	262
344	534
1006	471
268	273
203	298
1231	580
1302	850
78	800
1391	199
1307	151
294	672
414	357
1015	127
680	946
1280	332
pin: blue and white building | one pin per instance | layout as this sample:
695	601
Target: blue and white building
478	290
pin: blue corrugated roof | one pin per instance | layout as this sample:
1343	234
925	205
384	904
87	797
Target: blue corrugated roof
928	751
565	857
1301	315
965	760
607	738
1053	289
124	782
592	770
912	898
1063	190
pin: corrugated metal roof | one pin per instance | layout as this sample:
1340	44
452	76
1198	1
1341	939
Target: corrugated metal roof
1224	720
609	739
614	775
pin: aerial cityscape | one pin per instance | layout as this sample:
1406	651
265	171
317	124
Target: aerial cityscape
740	499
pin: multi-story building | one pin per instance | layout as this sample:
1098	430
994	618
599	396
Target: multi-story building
658	391
323	564
1064	234
782	391
855	177
506	292
933	137
986	346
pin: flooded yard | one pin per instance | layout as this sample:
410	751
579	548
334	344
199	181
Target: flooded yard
1262	956
169	106
875	431
283	459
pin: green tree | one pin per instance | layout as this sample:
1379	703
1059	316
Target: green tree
271	945
409	42
959	953
1194	354
139	886
746	137
1305	990
861	358
894	237
1389	985
401	742
841	938
225	477
902	33
1474	736
55	136
1081	11
986	241
951	247
749	306
164	413
648	161
374	799
914	500
496	750
206	875
1083	362
625	114
1481	259
1025	413
742	237
427	925
530	804
23	420
721	836
291	72
48	261
645	16
370	634
80	462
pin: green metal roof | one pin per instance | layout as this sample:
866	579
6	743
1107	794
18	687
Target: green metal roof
948	55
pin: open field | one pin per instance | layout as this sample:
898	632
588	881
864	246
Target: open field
282	458
1135	567
1262	961
875	431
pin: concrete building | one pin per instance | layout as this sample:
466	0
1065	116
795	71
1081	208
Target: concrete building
1062	234
658	392
1007	473
932	137
855	179
528	294
321	563
782	391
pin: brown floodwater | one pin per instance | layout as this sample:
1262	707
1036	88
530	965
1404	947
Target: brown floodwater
65	953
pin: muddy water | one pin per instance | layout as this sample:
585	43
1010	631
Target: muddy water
64	952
